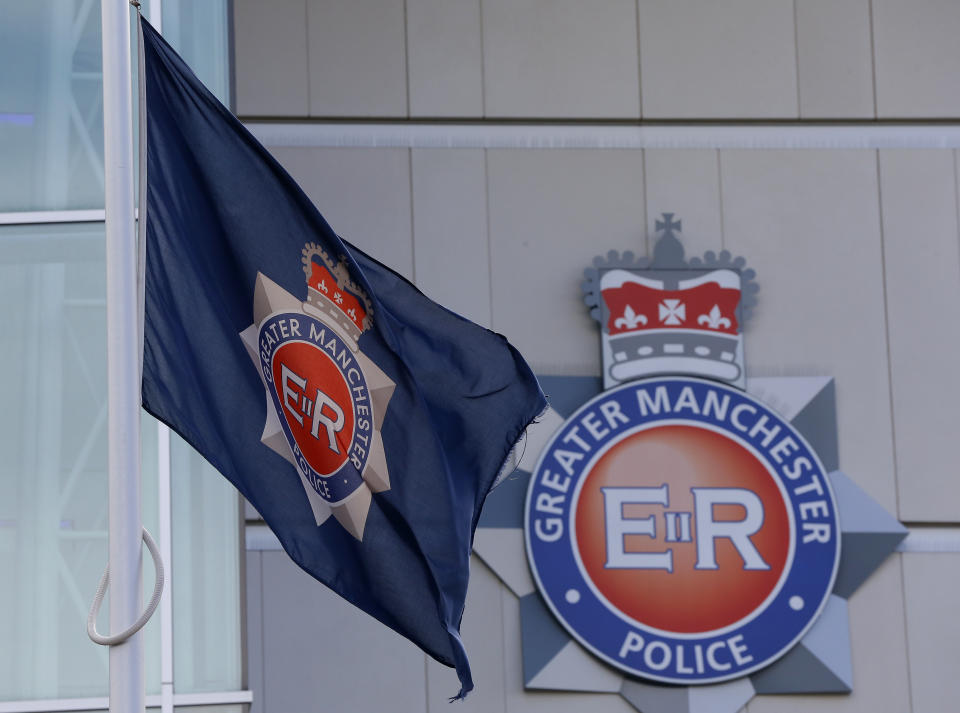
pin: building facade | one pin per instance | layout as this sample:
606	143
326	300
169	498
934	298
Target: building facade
488	151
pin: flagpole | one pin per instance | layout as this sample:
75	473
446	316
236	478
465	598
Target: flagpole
127	687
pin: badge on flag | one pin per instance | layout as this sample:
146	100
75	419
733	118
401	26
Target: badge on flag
363	421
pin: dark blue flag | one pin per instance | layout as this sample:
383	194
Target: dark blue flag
364	422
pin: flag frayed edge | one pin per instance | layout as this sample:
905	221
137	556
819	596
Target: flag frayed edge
516	452
459	697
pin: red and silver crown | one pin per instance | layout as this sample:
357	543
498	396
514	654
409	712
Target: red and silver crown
332	295
669	315
690	329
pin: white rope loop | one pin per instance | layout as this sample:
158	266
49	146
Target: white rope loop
116	639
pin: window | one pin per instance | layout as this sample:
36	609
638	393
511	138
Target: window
53	470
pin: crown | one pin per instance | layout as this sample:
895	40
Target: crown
688	328
332	294
667	315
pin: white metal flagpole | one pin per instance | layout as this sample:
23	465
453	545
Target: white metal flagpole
127	688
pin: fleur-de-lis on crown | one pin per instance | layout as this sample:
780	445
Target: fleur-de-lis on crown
714	320
630	319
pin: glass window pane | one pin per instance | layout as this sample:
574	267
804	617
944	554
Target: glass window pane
206	575
51	106
51	96
198	31
149	710
150	517
53	480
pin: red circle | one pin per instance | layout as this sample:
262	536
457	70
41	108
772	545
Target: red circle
686	600
299	401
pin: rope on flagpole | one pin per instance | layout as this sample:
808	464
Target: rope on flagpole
114	639
95	636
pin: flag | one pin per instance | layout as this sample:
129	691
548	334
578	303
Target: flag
364	422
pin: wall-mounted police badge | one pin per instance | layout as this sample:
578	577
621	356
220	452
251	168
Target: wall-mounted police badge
682	531
687	525
325	399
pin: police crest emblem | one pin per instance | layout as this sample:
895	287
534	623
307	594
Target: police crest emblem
684	525
325	399
703	537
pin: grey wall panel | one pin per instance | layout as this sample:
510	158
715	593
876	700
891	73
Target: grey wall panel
560	58
835	59
363	193
551	212
922	264
451	250
445	58
482	632
880	677
250	512
322	654
931	582
254	598
731	59
687	184
270	49
917	58
808	222
358	64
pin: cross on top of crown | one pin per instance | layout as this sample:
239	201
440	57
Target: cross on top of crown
668	225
